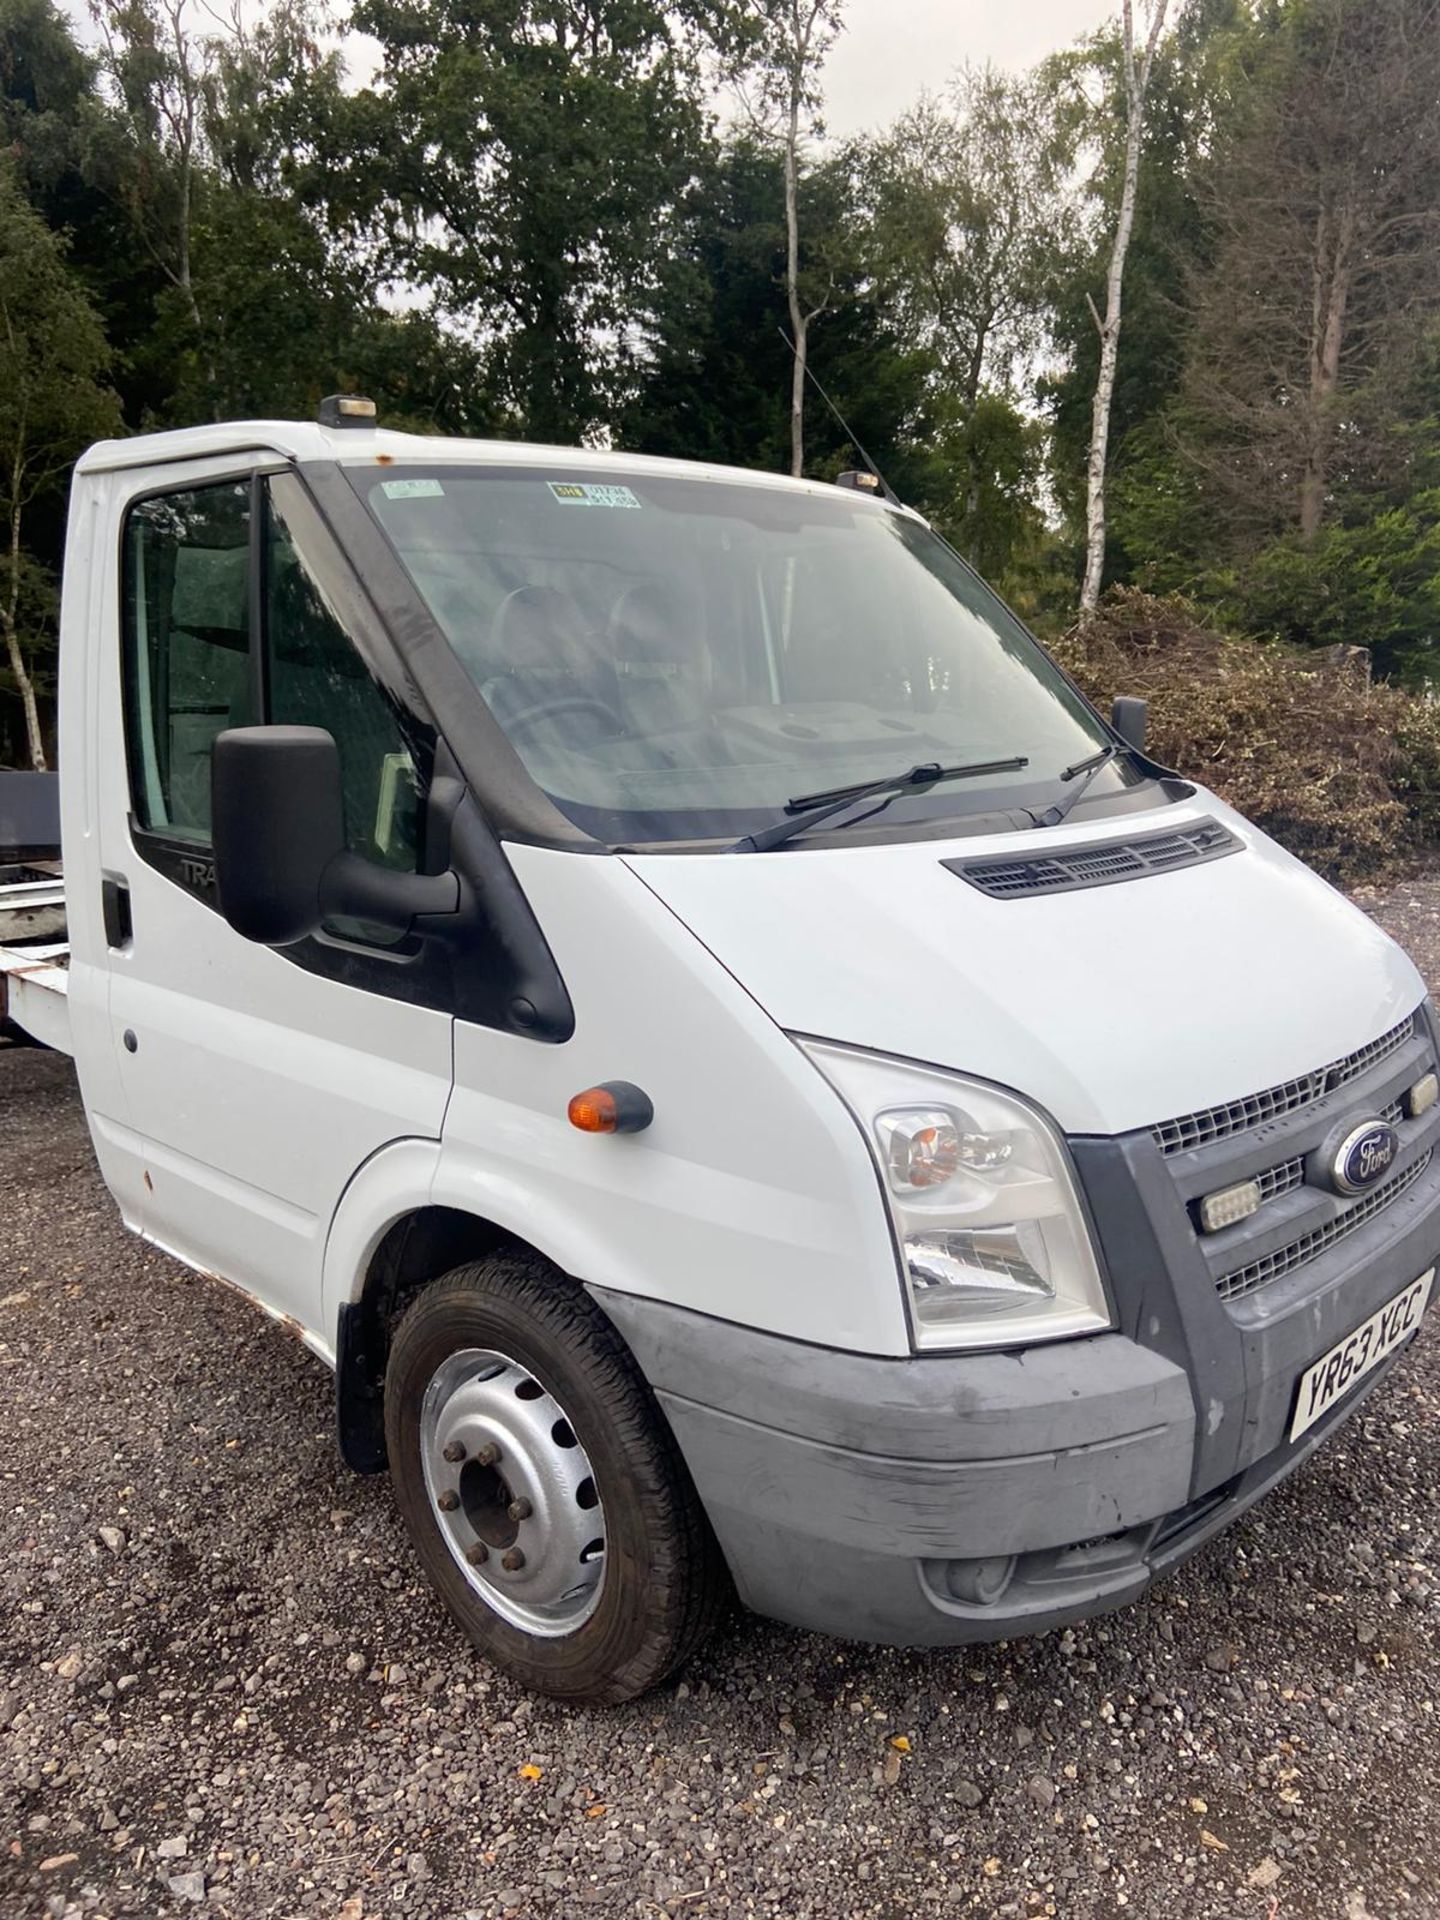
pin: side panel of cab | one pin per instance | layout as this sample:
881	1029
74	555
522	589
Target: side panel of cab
751	1197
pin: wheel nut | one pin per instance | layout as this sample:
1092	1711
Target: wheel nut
520	1509
513	1560
448	1501
478	1554
455	1452
487	1455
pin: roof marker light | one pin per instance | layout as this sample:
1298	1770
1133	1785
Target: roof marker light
347	410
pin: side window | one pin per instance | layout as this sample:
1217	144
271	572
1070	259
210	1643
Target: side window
317	678
186	645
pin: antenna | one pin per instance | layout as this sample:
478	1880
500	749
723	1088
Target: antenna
887	492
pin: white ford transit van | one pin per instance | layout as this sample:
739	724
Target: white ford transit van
748	1079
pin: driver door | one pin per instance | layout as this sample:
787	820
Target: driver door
255	1081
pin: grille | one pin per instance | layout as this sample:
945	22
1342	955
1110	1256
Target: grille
1259	1273
1098	866
1238	1116
1282	1179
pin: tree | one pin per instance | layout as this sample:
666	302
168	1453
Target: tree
1325	280
965	213
158	71
1199	66
780	86
1137	68
520	157
53	400
716	362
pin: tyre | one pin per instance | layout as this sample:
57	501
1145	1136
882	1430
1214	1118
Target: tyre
541	1487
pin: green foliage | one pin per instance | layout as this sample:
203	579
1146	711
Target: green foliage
522	157
53	401
716	383
1375	585
965	221
988	465
527	225
1344	773
1189	90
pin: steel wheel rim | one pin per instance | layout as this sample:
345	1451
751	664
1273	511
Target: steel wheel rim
513	1492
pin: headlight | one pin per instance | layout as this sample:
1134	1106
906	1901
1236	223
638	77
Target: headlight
991	1232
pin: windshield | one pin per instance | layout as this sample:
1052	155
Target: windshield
676	659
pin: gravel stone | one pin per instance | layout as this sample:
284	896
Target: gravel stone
374	1769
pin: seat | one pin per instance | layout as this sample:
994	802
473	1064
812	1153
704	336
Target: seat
548	679
654	646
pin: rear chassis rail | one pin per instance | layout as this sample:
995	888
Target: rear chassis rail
34	955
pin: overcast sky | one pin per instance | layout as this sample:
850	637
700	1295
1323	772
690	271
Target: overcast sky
891	49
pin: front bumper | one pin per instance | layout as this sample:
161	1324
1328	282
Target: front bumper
942	1499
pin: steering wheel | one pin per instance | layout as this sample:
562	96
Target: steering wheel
526	717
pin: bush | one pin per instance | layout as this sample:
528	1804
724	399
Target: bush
1344	773
1376	584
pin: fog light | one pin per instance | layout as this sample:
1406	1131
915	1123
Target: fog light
1422	1096
979	1582
1229	1204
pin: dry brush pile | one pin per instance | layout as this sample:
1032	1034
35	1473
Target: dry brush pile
1344	773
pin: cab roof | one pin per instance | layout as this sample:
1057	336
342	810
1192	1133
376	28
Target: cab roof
302	441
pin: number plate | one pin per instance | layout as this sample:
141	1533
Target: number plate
1332	1377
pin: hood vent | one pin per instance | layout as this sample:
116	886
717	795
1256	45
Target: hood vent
1100	865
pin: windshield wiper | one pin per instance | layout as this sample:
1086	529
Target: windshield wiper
807	810
1089	767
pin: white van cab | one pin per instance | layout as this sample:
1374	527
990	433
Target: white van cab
748	1079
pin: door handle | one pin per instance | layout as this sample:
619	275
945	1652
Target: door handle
115	911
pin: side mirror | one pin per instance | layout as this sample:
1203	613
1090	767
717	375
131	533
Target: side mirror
1128	717
278	824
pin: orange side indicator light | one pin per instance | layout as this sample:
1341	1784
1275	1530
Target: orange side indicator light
615	1106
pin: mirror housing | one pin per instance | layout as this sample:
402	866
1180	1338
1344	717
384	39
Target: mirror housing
278	825
1128	717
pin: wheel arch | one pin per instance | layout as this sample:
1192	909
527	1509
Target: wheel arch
418	1246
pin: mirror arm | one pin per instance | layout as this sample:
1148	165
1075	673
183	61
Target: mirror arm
353	887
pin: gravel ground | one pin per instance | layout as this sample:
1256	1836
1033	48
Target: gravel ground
224	1691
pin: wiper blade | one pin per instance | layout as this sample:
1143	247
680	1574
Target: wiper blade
1089	767
807	810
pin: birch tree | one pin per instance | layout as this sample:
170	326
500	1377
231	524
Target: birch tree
780	90
52	402
1138	64
158	71
965	215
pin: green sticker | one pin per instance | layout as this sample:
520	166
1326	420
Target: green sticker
412	489
571	493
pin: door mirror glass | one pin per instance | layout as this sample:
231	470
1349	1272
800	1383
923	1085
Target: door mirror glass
1128	717
278	822
282	868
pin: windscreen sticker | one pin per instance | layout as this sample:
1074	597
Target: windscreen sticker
412	489
571	493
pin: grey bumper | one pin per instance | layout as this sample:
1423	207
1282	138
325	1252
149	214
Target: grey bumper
941	1499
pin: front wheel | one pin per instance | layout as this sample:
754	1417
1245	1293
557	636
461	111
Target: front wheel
543	1492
